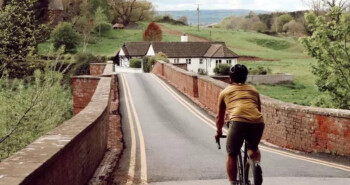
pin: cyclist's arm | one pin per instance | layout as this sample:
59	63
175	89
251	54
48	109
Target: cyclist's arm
220	117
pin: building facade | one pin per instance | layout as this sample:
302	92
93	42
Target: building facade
199	56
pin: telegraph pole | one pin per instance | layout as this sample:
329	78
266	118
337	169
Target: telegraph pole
198	16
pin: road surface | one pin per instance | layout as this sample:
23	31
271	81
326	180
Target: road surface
169	140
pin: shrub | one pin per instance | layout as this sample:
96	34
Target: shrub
135	63
65	35
162	56
152	33
222	69
202	71
103	27
260	70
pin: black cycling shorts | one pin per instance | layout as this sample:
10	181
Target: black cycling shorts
240	131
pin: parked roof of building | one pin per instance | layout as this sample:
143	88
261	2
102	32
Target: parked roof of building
180	49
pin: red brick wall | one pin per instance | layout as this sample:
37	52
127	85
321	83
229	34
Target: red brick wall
97	68
83	89
182	66
292	126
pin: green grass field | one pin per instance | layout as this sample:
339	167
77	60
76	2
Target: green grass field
287	50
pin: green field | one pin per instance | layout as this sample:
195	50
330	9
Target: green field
288	52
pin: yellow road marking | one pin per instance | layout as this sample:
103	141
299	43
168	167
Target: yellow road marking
132	164
212	125
141	137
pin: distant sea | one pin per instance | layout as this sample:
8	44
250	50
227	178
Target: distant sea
207	17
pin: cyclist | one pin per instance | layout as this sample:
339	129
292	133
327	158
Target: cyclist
242	102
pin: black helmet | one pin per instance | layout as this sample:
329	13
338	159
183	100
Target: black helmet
238	73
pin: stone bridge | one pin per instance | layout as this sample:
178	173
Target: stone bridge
174	127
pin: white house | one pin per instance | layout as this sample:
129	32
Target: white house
197	55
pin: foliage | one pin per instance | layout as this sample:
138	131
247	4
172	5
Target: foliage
161	56
94	5
65	35
202	71
282	20
20	33
183	19
128	11
135	63
260	70
100	16
222	69
83	26
103	27
272	43
167	19
294	28
329	45
152	33
30	108
260	27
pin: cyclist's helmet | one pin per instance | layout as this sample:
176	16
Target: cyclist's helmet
238	73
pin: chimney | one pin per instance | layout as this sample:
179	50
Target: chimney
184	38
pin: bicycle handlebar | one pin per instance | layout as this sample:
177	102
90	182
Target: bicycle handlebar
218	140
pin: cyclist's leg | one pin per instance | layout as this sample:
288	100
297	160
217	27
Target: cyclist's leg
253	140
234	143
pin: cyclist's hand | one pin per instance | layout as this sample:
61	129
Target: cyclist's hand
217	135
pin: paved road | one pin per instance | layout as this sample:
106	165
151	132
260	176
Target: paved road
169	141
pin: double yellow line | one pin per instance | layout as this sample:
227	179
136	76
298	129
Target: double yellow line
211	124
130	103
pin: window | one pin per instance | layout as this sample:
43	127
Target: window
229	62
188	61
201	61
176	60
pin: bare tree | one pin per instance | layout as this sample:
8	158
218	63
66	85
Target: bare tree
122	9
321	6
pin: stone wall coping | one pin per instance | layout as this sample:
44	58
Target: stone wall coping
109	68
340	113
87	76
213	81
44	151
275	74
98	63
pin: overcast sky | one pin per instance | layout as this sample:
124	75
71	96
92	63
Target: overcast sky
269	5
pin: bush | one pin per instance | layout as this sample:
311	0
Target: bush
65	35
260	71
202	71
135	63
222	69
103	27
162	56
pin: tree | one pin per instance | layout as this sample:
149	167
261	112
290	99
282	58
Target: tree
101	21
84	27
282	20
183	19
294	28
152	33
329	45
260	26
95	4
20	34
127	11
65	35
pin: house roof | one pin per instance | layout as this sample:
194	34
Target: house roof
180	49
55	5
136	49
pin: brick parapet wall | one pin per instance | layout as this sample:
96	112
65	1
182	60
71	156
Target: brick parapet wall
288	125
68	154
262	79
83	89
97	68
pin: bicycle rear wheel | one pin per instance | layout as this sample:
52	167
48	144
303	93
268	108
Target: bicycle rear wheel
252	173
240	171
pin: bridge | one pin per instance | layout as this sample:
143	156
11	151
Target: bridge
157	128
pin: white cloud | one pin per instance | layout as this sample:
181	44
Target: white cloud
270	5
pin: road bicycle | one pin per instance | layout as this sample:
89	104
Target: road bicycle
247	173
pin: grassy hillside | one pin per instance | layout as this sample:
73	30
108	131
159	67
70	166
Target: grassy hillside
288	52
